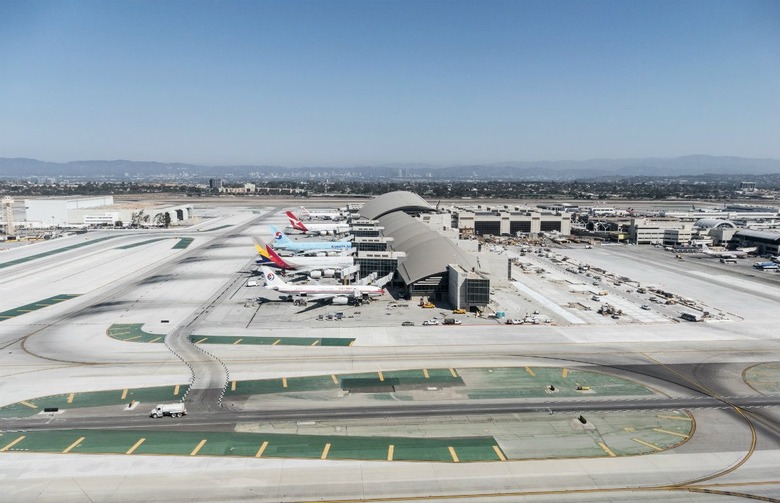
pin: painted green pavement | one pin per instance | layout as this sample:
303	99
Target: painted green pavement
18	311
183	243
189	443
133	332
54	252
152	396
764	378
133	245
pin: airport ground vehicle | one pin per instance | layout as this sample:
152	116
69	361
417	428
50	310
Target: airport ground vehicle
168	409
407	324
432	321
452	321
459	311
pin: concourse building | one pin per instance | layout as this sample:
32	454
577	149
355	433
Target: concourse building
427	263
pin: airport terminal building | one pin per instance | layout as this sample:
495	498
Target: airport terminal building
766	242
428	264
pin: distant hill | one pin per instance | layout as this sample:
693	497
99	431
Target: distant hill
542	170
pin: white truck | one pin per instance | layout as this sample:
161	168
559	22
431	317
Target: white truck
168	409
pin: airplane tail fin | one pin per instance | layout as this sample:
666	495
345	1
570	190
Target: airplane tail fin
262	250
705	247
271	279
306	212
295	222
279	236
276	258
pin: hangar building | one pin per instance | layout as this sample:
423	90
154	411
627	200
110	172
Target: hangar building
100	210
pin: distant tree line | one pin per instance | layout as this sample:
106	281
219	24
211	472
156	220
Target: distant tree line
715	187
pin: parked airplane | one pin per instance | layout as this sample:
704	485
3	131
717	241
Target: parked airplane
321	214
337	294
282	242
316	229
723	254
315	267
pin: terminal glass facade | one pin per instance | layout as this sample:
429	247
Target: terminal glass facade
477	292
382	266
381	246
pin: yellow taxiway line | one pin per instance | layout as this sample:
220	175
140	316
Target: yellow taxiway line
135	446
73	445
607	449
198	447
681	435
4	449
646	444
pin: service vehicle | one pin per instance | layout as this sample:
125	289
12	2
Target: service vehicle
433	321
168	409
452	321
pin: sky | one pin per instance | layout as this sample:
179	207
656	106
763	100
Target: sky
343	83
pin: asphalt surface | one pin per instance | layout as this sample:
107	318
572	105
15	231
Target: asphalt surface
206	417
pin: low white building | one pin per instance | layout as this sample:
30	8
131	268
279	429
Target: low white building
91	211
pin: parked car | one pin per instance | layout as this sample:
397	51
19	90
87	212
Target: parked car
431	322
645	307
407	324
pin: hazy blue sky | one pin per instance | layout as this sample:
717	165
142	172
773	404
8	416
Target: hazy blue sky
373	82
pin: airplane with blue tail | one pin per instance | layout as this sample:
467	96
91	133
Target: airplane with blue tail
282	242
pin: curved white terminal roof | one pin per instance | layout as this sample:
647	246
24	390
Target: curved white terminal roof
427	252
714	223
400	200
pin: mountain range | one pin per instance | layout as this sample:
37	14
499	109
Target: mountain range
542	170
